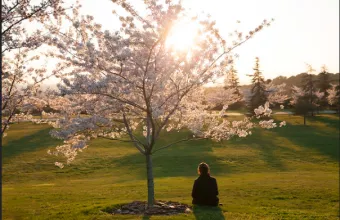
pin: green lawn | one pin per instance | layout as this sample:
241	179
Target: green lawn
287	173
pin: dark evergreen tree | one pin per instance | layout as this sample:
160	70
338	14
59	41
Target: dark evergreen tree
323	79
258	90
303	107
308	85
323	83
232	82
338	99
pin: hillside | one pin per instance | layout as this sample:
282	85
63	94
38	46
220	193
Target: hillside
288	173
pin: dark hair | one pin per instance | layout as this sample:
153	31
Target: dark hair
203	169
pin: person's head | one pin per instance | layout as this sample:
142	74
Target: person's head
203	169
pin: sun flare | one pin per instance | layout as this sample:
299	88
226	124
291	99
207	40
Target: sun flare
182	36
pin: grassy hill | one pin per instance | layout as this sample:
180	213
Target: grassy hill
287	173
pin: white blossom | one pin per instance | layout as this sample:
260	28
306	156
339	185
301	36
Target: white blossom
58	164
282	123
332	97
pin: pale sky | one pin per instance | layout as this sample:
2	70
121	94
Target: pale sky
304	31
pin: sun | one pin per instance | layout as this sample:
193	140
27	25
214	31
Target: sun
182	36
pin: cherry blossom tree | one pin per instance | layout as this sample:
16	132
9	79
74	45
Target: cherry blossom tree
296	93
18	84
20	79
35	103
15	14
301	101
134	85
333	95
273	94
276	93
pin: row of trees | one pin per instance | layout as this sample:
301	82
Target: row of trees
308	99
297	80
315	92
261	91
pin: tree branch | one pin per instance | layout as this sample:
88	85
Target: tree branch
135	141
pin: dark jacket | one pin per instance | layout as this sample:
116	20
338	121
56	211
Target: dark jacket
205	191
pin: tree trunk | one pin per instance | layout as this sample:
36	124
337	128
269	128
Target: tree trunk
304	119
151	185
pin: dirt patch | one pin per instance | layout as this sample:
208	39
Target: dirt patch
140	208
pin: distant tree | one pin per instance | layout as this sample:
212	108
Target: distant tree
297	92
303	107
221	98
323	83
309	86
337	88
298	79
300	101
231	81
35	104
319	97
276	94
258	90
333	97
280	80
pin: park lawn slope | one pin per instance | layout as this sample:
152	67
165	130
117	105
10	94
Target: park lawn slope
284	173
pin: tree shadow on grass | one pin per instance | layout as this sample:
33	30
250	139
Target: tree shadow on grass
178	160
206	213
269	156
266	147
182	159
314	138
331	121
30	143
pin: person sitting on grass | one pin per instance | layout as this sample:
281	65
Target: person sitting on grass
205	191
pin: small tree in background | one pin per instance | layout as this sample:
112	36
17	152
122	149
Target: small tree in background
333	97
258	90
276	94
303	107
323	82
301	102
309	87
231	81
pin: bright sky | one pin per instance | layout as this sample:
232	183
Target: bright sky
304	31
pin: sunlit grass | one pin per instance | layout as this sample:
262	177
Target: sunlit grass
286	173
